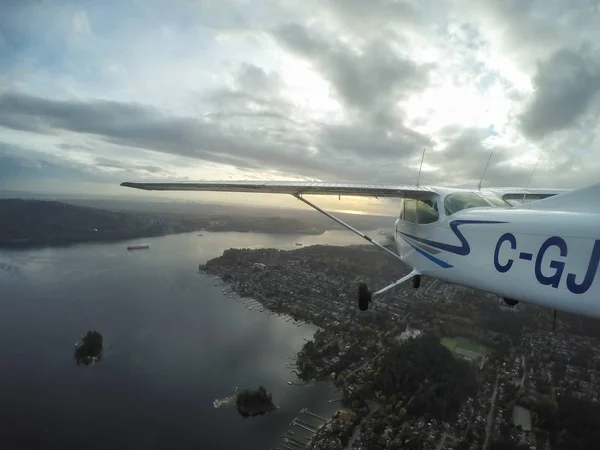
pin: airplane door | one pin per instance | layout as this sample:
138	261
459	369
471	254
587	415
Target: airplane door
406	224
427	215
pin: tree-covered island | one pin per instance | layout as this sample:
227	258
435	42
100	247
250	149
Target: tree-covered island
254	402
90	348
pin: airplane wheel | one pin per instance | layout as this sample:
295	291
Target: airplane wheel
364	297
416	281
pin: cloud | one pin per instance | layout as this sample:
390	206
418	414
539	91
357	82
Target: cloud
368	80
20	162
372	15
280	145
26	164
566	84
340	90
525	32
132	167
140	126
81	24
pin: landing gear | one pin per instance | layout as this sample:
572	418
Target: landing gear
416	281
364	297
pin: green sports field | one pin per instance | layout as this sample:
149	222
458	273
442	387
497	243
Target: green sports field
453	343
450	343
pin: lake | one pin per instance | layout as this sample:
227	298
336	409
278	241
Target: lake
173	343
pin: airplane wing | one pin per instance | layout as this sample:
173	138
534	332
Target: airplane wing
291	187
326	188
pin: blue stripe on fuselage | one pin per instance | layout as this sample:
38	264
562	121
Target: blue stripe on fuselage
438	261
427	248
463	249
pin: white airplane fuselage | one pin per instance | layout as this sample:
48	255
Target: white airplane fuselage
548	258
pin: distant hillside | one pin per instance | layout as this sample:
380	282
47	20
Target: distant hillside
202	210
25	223
35	222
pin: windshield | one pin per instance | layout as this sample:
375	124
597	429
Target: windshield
463	200
496	200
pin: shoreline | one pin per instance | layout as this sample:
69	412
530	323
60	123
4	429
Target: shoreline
230	286
316	284
27	244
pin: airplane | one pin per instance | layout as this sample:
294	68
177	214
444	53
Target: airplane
531	245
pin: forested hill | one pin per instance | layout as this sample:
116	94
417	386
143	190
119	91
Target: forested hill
35	222
422	376
26	223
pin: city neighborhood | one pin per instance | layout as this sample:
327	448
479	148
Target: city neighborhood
523	374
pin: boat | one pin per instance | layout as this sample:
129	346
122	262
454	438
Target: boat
138	247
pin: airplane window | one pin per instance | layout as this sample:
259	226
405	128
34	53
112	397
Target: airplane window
497	201
427	211
463	200
410	210
432	203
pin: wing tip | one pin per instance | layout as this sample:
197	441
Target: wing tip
132	185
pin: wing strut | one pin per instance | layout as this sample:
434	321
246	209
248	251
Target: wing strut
365	297
345	225
410	276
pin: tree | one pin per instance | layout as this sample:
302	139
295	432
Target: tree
403	369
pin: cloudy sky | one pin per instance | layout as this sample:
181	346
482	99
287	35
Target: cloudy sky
95	93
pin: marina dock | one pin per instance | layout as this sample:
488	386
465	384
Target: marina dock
301	431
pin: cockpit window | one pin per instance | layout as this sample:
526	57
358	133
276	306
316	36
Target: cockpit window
463	200
427	211
420	211
410	210
496	201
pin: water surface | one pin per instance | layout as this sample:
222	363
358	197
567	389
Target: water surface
173	344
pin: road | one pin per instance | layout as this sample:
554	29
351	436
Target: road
490	418
363	365
374	409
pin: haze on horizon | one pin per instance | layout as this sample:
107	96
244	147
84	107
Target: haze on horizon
93	94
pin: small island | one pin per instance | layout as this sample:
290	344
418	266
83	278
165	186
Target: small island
254	402
90	348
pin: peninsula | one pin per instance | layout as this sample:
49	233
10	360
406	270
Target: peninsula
442	366
254	402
